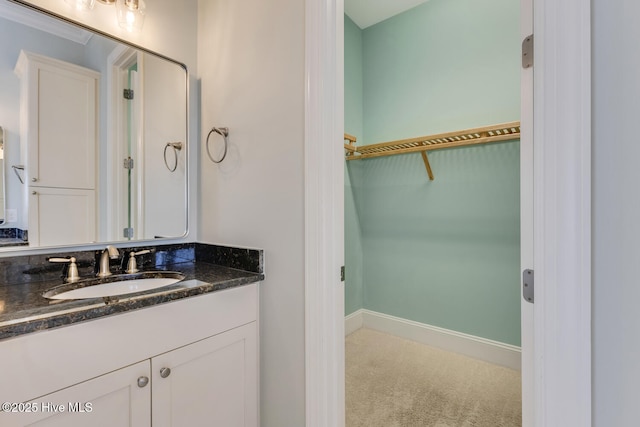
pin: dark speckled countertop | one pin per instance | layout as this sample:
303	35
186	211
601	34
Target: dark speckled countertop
23	309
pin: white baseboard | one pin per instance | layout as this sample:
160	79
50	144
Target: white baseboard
353	322
479	348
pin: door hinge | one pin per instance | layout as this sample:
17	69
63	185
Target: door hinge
528	286
128	163
127	93
127	233
527	52
342	273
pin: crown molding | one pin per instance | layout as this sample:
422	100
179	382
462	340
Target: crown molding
42	22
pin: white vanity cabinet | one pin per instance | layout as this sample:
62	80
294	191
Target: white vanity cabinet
209	383
111	400
59	134
61	214
192	362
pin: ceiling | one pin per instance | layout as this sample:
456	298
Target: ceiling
369	12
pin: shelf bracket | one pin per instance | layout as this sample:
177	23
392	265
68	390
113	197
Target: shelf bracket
350	145
427	165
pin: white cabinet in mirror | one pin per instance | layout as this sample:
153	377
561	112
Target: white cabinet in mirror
86	122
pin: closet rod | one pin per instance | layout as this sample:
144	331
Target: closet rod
482	135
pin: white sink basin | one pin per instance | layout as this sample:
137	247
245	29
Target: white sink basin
114	287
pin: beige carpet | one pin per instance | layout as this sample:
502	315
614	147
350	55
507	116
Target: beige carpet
392	382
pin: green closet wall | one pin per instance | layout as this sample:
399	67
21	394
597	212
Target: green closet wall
444	252
353	120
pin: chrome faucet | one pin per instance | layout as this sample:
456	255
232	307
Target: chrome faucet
110	252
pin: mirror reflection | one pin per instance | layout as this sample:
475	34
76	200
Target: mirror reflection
2	220
95	132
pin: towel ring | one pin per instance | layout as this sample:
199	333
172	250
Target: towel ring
224	132
177	146
15	169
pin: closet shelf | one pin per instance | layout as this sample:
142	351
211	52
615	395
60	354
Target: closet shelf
482	135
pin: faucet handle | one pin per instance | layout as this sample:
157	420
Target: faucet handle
72	273
132	266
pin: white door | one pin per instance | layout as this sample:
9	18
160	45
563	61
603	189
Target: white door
116	399
63	137
212	382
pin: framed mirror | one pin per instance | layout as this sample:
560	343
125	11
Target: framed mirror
2	177
95	130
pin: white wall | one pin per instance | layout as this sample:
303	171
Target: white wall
616	212
251	66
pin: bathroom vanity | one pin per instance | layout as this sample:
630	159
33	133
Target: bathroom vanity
183	355
114	173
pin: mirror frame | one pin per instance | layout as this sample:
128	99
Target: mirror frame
186	147
3	220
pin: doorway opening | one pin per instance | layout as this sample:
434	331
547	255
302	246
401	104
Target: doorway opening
125	148
556	361
436	261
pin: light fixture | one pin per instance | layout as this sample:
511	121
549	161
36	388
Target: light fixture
130	14
81	4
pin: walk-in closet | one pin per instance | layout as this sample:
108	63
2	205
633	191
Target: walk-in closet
432	213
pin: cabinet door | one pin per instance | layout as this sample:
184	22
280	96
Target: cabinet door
59	216
111	400
63	121
212	382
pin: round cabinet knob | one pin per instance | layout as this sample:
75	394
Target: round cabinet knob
165	372
34	192
34	179
143	381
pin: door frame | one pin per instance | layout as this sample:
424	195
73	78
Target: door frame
324	213
527	339
118	62
561	132
562	212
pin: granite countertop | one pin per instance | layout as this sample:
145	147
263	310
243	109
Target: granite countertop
24	310
8	241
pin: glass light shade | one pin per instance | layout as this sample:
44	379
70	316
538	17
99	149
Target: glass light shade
131	14
81	4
